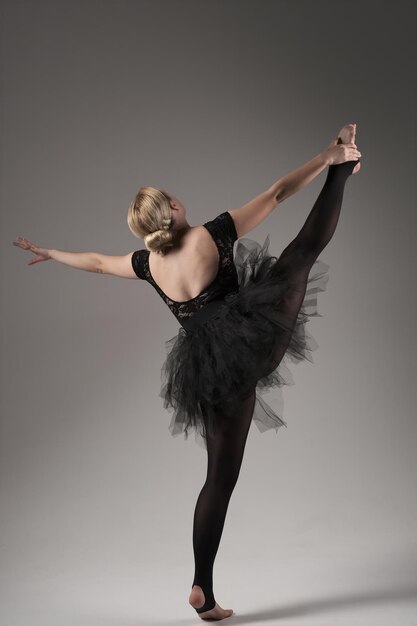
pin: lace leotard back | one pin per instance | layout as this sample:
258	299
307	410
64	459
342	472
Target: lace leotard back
223	231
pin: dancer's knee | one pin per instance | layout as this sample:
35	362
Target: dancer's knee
223	479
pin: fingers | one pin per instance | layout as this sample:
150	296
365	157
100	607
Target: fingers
351	149
22	242
25	244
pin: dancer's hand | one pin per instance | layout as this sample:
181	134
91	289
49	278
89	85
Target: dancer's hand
341	152
346	135
42	254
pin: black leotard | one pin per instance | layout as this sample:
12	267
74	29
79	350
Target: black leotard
223	231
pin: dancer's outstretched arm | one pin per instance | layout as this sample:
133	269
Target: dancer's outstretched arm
88	261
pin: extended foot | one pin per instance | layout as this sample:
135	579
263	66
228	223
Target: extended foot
197	600
347	135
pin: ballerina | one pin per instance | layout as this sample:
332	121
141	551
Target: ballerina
236	327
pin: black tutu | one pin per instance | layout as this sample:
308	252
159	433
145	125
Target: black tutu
210	369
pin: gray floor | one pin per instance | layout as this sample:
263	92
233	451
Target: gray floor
305	589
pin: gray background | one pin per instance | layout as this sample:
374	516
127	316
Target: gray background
213	101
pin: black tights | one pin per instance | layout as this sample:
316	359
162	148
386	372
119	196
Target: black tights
225	449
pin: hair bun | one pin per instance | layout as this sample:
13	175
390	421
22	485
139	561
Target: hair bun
159	240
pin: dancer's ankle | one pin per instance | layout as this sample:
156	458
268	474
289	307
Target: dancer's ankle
343	169
209	600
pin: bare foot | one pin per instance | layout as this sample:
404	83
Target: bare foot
197	600
347	135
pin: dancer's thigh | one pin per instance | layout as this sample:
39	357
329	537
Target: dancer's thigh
297	266
226	447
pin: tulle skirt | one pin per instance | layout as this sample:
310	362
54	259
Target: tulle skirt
232	347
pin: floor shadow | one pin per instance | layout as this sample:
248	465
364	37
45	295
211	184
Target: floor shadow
330	604
316	606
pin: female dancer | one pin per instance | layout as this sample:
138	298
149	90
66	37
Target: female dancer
239	315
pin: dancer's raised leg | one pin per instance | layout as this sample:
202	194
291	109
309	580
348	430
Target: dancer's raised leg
299	256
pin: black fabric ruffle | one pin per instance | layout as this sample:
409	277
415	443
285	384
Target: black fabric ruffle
210	370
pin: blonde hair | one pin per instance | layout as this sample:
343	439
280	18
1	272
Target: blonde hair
150	217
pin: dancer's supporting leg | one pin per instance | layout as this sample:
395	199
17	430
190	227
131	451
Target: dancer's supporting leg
225	453
299	256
